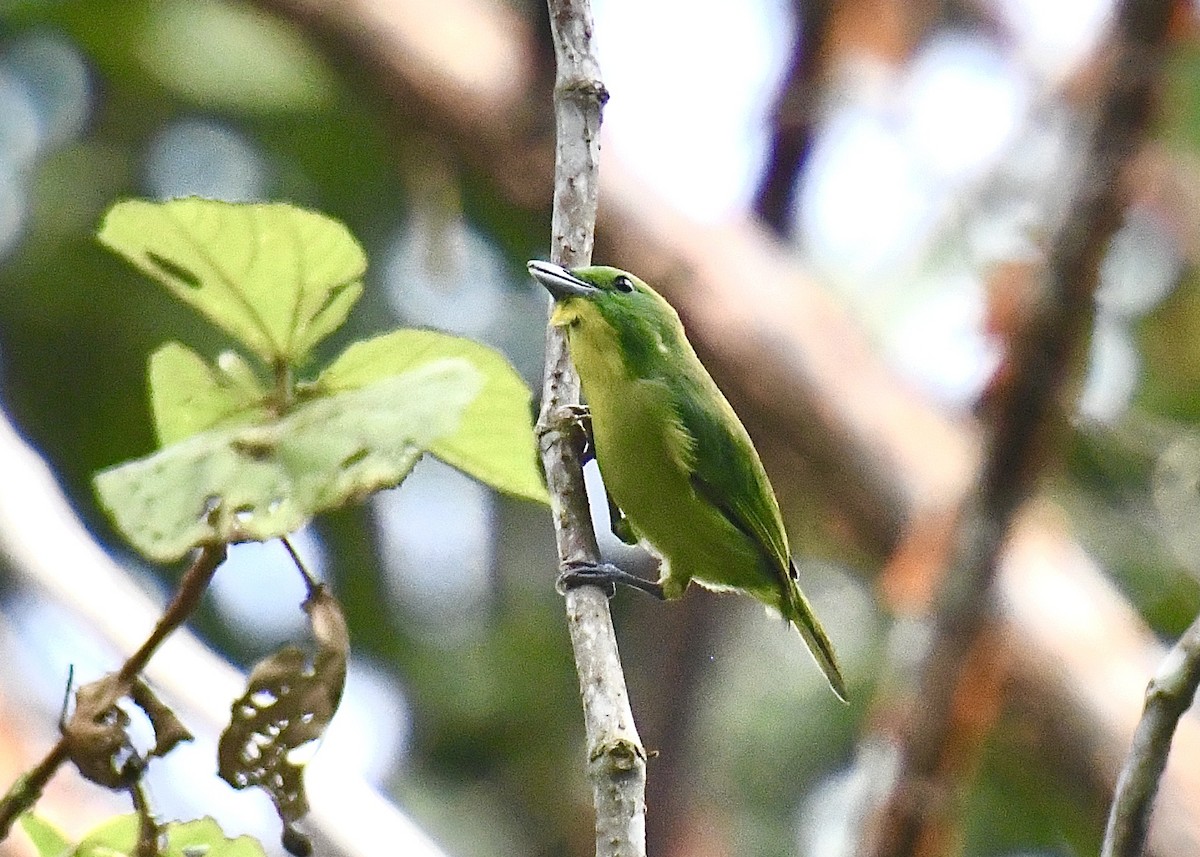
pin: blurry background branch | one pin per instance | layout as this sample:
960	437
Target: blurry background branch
795	116
920	812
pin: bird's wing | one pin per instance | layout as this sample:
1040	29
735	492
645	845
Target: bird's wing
714	448
620	525
711	443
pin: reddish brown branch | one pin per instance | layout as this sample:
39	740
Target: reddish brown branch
794	123
1022	415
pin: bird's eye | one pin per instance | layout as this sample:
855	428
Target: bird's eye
623	284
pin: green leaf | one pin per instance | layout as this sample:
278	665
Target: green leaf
276	277
47	839
252	483
188	395
494	441
118	836
229	57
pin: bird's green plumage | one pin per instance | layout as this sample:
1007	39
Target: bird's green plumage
674	456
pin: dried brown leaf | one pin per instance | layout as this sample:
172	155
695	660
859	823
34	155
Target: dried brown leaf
97	733
287	705
169	730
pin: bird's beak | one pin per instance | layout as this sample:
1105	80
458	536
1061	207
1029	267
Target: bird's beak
558	281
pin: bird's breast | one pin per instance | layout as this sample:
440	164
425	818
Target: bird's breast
644	453
638	446
631	421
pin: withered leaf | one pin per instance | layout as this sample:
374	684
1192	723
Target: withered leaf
169	730
97	733
287	705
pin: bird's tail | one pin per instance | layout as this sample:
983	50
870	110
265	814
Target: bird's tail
801	614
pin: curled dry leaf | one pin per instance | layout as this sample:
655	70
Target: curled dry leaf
287	705
169	730
97	733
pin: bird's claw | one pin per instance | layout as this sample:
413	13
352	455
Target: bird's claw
576	413
579	417
576	574
604	575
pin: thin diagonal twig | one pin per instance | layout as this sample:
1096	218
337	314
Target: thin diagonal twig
1169	695
26	791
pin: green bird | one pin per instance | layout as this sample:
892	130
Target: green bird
675	458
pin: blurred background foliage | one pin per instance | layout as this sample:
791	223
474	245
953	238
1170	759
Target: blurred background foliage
926	172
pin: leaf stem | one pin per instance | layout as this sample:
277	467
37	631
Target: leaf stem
285	387
310	582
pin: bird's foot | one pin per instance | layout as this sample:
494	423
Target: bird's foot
604	575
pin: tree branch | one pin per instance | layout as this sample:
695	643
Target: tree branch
1168	696
616	759
794	123
912	817
28	789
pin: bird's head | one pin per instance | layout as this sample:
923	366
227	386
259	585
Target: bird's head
599	297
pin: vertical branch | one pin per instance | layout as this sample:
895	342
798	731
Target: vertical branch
911	817
1169	695
616	759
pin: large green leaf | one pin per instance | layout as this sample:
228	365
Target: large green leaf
118	836
494	441
277	277
188	395
251	483
223	56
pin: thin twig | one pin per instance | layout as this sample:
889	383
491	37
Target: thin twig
149	833
45	545
191	589
616	759
28	789
1168	696
1022	409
